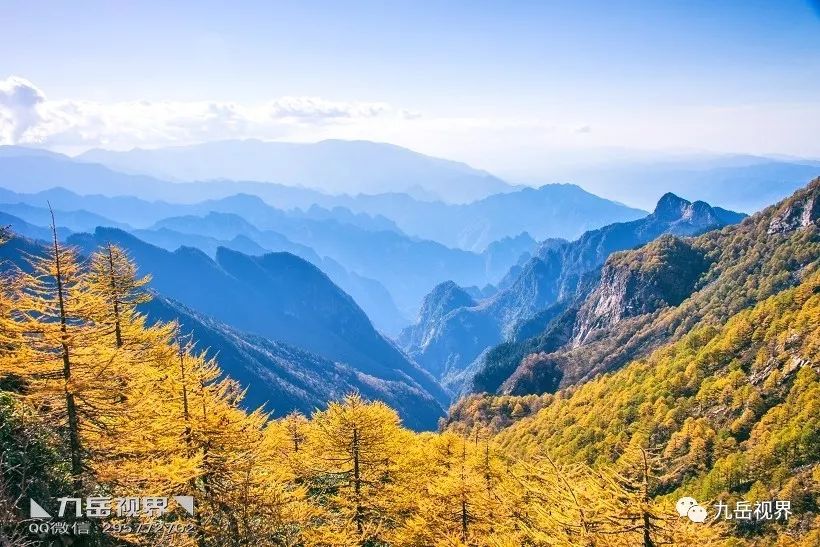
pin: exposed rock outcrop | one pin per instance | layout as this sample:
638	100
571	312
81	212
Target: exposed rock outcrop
800	214
663	273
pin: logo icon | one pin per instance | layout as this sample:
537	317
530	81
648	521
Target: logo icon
689	507
186	502
36	510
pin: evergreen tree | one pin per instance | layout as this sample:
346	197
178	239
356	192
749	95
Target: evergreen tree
69	376
355	447
112	277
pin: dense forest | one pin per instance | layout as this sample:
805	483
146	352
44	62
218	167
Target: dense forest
97	402
729	413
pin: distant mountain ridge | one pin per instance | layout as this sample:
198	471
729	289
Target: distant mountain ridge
332	166
551	210
478	242
351	248
448	344
739	182
554	210
407	267
243	237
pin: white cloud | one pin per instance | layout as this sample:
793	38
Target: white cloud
20	101
529	143
27	116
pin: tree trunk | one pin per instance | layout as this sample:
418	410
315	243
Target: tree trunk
71	408
117	327
357	483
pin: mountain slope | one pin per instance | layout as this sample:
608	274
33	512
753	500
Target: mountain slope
407	267
743	264
20	226
226	230
555	274
275	374
332	166
285	378
278	296
730	411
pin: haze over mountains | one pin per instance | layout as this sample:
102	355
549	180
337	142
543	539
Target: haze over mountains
740	182
430	241
301	288
332	166
377	263
469	226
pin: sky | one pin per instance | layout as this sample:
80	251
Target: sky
512	87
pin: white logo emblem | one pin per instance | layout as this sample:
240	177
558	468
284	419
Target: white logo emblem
688	507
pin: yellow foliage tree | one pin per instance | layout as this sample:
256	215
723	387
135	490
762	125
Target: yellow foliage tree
66	372
354	449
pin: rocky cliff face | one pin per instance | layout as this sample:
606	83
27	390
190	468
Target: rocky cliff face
800	214
672	215
658	275
443	343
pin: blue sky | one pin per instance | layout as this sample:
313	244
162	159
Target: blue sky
491	82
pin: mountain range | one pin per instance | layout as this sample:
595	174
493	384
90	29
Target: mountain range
293	284
351	253
551	210
332	166
655	294
470	226
28	220
277	295
454	329
296	303
397	241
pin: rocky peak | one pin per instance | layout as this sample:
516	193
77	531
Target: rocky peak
671	207
682	217
800	212
444	298
700	212
446	338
